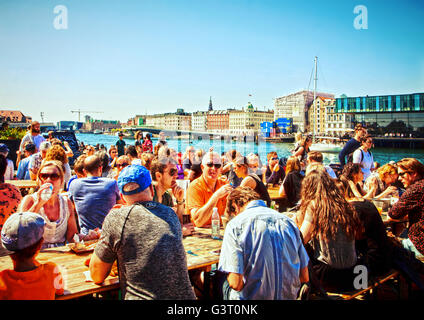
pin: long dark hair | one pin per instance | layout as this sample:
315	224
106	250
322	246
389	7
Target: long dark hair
331	211
3	166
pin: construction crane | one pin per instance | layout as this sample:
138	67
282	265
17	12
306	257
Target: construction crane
82	111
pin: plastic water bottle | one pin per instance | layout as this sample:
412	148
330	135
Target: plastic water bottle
215	224
47	193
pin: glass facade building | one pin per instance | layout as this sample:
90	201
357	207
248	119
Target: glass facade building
391	114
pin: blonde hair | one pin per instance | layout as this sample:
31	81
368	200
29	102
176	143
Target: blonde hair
387	170
56	152
293	164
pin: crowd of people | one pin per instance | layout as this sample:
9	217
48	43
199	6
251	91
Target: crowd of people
135	200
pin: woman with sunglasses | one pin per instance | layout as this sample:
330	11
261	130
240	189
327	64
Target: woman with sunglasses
363	156
121	163
274	174
251	180
58	211
89	150
147	144
178	164
113	156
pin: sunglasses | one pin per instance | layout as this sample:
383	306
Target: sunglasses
403	173
173	172
52	176
122	165
216	165
275	158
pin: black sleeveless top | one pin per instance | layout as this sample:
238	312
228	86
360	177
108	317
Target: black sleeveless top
261	189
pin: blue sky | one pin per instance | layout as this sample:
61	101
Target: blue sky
124	58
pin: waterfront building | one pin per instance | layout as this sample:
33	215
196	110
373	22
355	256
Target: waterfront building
199	121
179	120
297	106
102	125
318	123
401	114
156	121
338	123
138	120
15	118
248	120
218	121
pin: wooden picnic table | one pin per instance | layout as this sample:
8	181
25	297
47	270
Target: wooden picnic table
273	193
23	184
201	251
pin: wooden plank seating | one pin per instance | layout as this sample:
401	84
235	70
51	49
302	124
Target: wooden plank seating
363	293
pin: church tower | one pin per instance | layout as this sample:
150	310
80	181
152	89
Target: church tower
210	104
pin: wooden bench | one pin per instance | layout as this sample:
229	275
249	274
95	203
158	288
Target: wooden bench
361	294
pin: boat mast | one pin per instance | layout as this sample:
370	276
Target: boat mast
315	94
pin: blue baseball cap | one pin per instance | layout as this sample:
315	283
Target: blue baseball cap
3	148
137	174
21	230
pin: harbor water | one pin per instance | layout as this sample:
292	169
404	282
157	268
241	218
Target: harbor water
381	155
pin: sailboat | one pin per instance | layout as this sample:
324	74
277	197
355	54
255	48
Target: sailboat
329	146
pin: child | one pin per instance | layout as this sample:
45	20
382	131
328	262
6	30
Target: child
22	234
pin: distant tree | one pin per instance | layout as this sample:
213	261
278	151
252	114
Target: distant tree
398	127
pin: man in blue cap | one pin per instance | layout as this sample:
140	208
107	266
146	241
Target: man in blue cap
146	239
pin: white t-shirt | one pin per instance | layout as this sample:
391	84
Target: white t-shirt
8	175
35	140
366	159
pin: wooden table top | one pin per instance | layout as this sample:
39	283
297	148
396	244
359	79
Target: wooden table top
201	250
273	192
22	183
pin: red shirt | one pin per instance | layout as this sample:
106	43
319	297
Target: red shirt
147	146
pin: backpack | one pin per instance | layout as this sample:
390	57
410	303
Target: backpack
350	156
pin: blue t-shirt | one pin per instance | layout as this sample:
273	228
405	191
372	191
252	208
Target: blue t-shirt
266	248
93	198
23	169
70	180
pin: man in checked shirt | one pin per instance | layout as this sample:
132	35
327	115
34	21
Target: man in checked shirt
411	204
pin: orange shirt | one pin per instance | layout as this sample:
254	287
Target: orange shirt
198	193
42	283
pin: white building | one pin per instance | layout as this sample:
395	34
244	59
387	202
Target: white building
199	121
247	121
338	123
318	122
297	106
